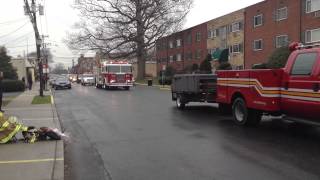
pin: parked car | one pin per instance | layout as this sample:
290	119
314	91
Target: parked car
87	80
62	83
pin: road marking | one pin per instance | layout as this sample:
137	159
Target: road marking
28	108
30	161
141	84
52	100
167	89
37	119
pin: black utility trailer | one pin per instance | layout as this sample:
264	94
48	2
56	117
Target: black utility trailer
187	88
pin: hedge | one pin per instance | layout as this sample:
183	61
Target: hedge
13	85
166	81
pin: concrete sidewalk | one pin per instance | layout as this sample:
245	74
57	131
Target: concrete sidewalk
41	160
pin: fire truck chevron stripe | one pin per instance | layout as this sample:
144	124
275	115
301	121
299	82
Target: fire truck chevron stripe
291	93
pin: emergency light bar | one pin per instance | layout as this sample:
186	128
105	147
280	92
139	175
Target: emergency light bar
295	46
307	46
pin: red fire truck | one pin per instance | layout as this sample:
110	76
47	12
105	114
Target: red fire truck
292	92
114	74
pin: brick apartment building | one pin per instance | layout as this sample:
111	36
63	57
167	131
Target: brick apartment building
86	64
250	34
182	49
227	32
271	24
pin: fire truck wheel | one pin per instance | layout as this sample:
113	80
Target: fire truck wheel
180	103
127	88
242	115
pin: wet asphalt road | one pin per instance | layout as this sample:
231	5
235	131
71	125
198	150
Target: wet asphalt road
140	135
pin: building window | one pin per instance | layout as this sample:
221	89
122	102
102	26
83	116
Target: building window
257	20
198	36
189	39
236	27
198	54
282	41
179	57
215	33
159	47
170	44
257	45
312	6
237	48
282	14
189	56
210	34
312	36
171	59
179	43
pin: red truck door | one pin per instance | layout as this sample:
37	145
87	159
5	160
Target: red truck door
300	89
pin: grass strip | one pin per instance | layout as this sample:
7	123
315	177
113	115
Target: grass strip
41	100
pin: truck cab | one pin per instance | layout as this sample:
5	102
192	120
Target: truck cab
300	96
292	91
114	74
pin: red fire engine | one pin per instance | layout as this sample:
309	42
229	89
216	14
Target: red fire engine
114	74
293	91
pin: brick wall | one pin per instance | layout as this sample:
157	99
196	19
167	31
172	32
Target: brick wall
190	46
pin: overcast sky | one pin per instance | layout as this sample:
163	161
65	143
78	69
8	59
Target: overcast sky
16	32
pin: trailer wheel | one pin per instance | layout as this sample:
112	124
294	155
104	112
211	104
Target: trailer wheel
180	103
242	115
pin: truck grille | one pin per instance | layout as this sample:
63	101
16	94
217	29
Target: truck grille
121	78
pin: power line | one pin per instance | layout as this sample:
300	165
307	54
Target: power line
20	46
61	57
45	16
14	30
20	37
12	21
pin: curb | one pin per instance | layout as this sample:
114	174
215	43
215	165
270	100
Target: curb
159	86
52	100
57	170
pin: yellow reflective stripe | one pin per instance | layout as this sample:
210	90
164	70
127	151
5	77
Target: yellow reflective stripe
33	138
24	128
4	125
6	139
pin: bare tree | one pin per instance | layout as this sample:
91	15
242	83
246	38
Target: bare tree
59	69
126	27
44	53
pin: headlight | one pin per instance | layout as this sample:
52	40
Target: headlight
112	81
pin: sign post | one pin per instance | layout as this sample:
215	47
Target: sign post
45	70
163	74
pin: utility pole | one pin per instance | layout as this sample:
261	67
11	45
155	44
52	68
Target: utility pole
72	69
33	18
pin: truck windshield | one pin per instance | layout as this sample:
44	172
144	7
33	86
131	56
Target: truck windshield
126	69
113	69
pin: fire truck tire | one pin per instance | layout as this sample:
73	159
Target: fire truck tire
242	115
127	88
180	102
